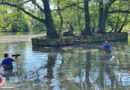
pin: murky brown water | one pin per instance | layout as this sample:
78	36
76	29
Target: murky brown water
80	67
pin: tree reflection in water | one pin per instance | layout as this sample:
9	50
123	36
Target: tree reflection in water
50	64
72	68
88	67
75	62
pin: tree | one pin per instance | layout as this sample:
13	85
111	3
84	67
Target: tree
48	21
80	16
118	15
77	10
12	20
5	19
51	32
100	16
104	11
67	14
60	16
87	30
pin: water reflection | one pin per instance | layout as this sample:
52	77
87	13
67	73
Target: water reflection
88	68
80	67
50	65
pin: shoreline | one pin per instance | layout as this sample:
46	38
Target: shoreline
73	40
21	38
18	38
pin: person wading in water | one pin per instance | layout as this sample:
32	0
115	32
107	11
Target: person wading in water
107	47
7	64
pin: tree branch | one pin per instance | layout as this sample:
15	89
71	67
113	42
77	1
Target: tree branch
35	3
80	7
24	2
123	24
68	6
120	11
28	13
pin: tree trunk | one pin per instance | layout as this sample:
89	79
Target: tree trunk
117	24
102	29
105	15
61	23
87	30
123	24
51	31
100	15
61	19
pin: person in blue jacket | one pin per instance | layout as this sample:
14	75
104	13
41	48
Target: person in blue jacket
107	47
7	63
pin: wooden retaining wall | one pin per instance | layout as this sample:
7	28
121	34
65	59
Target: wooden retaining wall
42	42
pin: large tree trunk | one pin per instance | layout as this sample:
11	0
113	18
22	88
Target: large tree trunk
100	15
102	29
103	20
51	31
87	30
105	15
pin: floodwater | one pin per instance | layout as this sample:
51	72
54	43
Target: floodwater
79	67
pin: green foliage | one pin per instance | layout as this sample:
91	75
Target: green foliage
12	20
39	27
115	20
5	19
94	14
36	25
72	13
71	16
75	14
19	33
